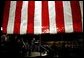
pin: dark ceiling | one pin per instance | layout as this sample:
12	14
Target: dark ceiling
2	2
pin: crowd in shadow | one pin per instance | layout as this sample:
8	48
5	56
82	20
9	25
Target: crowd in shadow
20	47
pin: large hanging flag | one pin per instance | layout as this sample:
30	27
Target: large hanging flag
39	17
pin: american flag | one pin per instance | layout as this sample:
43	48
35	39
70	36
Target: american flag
39	17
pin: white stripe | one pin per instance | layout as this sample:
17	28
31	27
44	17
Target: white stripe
10	26
37	17
67	16
24	17
81	7
52	16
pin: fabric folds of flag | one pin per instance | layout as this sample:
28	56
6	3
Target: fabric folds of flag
39	17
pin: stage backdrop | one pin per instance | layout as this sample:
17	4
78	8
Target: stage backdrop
39	17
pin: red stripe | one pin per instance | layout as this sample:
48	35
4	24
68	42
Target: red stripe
6	16
76	16
17	17
59	16
45	16
30	26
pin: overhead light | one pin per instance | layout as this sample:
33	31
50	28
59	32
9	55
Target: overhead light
1	28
